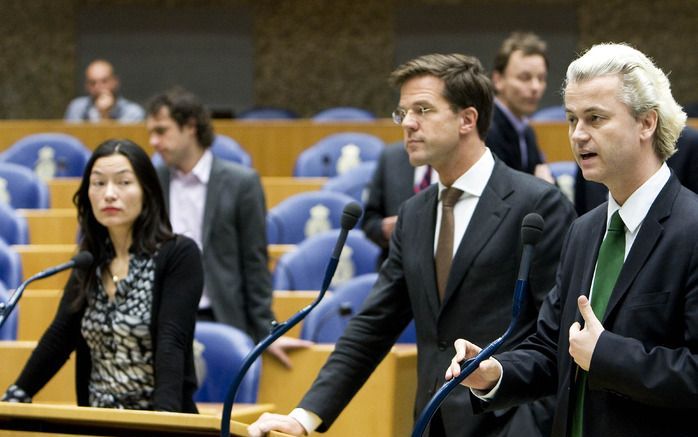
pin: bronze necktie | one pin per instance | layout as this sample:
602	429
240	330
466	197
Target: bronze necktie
444	247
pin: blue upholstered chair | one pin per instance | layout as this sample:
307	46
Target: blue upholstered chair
353	182
303	268
10	266
327	322
49	155
13	228
323	158
305	214
343	113
9	329
223	147
22	188
550	113
225	349
267	113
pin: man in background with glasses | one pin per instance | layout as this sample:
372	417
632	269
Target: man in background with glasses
453	259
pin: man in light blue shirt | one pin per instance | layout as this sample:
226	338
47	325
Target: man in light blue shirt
103	101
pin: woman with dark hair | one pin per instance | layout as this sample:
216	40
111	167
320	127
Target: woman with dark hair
130	316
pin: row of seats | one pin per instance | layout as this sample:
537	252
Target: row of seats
341	113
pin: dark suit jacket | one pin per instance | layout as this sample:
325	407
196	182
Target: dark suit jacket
392	184
684	163
503	140
236	275
643	378
477	303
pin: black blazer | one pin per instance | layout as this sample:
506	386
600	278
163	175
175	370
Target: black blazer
644	371
477	304
391	185
503	140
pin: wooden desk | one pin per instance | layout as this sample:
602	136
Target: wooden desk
273	145
276	189
383	406
38	257
37	308
51	226
49	419
287	303
14	355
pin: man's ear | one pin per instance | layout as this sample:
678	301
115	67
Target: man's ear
648	124
468	119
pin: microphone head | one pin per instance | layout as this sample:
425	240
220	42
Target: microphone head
351	214
82	260
532	228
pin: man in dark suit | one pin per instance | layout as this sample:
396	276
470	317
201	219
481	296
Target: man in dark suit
617	337
520	77
444	110
393	182
221	206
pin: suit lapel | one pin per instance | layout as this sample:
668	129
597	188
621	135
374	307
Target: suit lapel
650	232
213	191
164	176
425	246
488	215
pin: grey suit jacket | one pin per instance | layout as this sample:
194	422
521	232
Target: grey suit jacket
236	275
477	304
644	370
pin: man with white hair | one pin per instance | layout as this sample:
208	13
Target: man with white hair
617	337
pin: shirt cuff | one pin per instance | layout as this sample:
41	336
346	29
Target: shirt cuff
308	420
489	395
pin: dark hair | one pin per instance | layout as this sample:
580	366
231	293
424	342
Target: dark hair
465	82
152	226
184	108
529	43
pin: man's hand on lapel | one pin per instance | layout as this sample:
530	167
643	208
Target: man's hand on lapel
583	341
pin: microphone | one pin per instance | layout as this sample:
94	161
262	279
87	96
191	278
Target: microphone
80	261
531	232
350	216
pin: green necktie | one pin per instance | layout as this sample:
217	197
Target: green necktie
608	265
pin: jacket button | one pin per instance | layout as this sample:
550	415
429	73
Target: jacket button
443	346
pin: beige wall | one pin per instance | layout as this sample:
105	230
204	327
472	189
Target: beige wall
314	54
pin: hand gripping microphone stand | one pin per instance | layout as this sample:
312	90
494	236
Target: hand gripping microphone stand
81	261
531	231
350	216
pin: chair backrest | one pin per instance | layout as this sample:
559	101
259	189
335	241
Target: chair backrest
303	268
337	153
343	113
49	155
8	331
225	349
22	188
305	214
353	183
223	147
267	113
10	266
327	321
13	228
550	113
565	174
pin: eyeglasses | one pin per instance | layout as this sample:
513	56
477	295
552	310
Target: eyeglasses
419	111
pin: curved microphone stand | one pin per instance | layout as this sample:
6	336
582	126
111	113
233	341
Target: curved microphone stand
350	216
531	230
80	261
